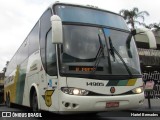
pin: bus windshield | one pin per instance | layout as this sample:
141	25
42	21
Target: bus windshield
81	45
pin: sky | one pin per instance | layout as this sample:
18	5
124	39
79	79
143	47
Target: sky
17	17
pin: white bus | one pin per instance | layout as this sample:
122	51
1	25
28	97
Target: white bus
76	58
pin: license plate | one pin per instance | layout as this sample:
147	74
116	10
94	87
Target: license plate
112	104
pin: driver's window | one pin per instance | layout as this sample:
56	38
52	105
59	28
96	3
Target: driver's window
51	56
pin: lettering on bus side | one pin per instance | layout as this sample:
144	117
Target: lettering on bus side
94	84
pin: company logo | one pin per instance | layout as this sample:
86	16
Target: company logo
6	114
112	90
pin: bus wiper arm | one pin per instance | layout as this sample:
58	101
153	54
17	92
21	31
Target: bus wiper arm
99	53
113	50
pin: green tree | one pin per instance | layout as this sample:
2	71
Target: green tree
5	68
131	16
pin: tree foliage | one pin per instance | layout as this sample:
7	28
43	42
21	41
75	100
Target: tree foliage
131	16
155	26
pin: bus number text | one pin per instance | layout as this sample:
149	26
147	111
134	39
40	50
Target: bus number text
94	84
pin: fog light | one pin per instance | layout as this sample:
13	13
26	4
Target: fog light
74	105
66	104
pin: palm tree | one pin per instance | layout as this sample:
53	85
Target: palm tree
7	62
131	16
5	68
155	26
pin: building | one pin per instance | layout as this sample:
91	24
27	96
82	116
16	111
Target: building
149	58
150	61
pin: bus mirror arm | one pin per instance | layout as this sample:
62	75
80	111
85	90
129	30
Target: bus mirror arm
129	38
132	33
57	35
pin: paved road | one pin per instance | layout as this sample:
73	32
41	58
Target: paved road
99	116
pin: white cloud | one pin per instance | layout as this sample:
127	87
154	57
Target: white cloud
17	17
16	20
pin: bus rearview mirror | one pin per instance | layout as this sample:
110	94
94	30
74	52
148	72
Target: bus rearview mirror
150	35
57	36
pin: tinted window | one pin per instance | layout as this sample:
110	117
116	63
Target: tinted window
50	55
81	42
22	53
34	39
11	66
20	56
92	16
45	25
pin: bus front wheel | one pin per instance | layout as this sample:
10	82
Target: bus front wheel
34	102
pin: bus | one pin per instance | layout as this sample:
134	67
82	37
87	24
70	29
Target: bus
76	58
1	88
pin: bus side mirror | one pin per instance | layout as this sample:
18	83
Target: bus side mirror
57	36
150	35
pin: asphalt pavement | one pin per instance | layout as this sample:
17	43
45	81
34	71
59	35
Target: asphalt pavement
121	115
153	108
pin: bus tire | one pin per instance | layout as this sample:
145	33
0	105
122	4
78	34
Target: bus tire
8	102
34	102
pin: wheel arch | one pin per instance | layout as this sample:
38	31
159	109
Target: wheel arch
33	88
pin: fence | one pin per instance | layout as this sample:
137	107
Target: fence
153	76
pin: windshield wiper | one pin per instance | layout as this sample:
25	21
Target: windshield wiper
99	53
112	51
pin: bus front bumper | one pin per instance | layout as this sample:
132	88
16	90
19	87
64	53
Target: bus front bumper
73	103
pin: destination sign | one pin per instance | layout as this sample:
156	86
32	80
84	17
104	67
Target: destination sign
85	68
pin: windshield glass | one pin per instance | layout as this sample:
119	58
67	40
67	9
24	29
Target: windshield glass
80	53
81	45
91	16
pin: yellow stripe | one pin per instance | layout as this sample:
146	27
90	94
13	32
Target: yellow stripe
12	88
131	82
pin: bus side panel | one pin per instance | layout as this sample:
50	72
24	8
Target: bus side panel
21	83
36	78
14	86
10	85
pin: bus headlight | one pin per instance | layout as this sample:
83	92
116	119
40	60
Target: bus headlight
138	90
75	91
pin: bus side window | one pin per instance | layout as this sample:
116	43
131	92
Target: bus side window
34	39
45	25
50	55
